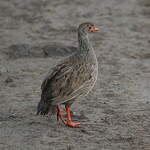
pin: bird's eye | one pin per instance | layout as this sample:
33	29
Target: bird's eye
90	27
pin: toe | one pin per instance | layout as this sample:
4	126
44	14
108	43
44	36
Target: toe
71	124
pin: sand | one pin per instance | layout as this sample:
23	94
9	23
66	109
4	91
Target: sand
36	35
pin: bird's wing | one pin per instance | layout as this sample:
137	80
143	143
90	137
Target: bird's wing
65	82
61	68
53	72
74	94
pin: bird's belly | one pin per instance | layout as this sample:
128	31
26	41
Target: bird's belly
93	81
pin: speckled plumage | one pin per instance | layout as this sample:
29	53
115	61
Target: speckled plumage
73	77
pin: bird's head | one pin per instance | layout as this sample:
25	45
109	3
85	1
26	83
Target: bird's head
87	27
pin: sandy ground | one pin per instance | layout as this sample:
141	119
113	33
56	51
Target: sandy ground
35	35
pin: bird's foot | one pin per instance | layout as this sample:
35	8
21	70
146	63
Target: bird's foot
71	124
69	120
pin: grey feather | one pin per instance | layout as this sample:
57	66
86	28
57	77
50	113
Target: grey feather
73	77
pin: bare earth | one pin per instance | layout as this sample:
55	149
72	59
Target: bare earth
36	34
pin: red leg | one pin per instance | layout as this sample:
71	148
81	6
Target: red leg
69	121
59	114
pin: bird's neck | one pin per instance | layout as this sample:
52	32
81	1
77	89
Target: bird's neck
84	43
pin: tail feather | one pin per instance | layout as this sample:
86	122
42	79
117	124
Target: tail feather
43	108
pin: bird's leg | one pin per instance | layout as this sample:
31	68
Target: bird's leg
69	121
59	114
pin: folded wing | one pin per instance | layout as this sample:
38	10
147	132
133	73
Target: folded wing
66	82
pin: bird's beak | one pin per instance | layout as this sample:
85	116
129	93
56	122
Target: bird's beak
94	29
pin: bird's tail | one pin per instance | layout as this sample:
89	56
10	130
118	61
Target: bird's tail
43	108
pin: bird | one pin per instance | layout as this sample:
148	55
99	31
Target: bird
73	77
